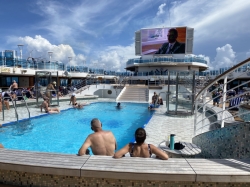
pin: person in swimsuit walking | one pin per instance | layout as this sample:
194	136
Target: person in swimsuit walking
140	148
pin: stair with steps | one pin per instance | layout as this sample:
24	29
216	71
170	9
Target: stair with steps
134	93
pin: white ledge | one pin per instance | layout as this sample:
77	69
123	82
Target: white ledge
174	169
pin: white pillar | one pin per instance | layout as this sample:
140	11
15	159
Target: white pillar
224	101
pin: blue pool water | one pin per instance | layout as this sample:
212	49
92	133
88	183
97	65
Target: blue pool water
65	132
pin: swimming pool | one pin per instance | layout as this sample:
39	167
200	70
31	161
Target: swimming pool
65	132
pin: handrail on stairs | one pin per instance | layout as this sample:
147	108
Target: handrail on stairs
14	106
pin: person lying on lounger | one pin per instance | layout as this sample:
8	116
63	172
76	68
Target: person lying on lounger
140	148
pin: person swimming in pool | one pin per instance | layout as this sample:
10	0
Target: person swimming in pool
118	105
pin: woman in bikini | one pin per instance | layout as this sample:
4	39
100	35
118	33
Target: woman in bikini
45	106
140	148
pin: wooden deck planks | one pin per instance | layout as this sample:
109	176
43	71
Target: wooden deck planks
174	169
221	170
138	168
47	163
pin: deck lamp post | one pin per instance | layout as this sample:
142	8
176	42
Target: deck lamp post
50	55
20	47
70	58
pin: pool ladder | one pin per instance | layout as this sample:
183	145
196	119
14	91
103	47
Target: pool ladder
14	106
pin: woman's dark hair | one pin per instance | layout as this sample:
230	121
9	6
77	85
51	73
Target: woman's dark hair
140	135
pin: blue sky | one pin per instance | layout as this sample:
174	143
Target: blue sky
100	33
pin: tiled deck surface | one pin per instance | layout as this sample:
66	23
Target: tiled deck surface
161	126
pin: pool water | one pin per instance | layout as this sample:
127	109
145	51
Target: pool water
65	132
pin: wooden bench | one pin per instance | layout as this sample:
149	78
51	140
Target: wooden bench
129	168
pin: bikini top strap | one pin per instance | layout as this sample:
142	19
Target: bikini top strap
132	149
149	150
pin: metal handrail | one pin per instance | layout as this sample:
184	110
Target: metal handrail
225	113
222	75
26	105
12	104
123	81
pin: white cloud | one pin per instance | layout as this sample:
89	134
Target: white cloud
213	19
217	20
86	16
248	54
225	57
161	9
39	47
83	25
114	58
205	58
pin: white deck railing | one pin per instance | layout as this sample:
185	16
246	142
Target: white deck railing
234	98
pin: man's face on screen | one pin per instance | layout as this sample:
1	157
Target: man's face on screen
171	36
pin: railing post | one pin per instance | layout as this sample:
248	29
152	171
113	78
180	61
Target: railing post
3	107
224	101
195	117
177	92
168	93
203	109
193	93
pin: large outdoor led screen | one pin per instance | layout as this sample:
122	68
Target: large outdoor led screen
163	41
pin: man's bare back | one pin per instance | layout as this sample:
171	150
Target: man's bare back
101	142
14	85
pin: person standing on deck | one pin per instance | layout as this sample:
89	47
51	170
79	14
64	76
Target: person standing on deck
73	99
50	88
14	86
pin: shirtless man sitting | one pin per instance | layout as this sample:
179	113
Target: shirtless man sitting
101	142
45	106
14	86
